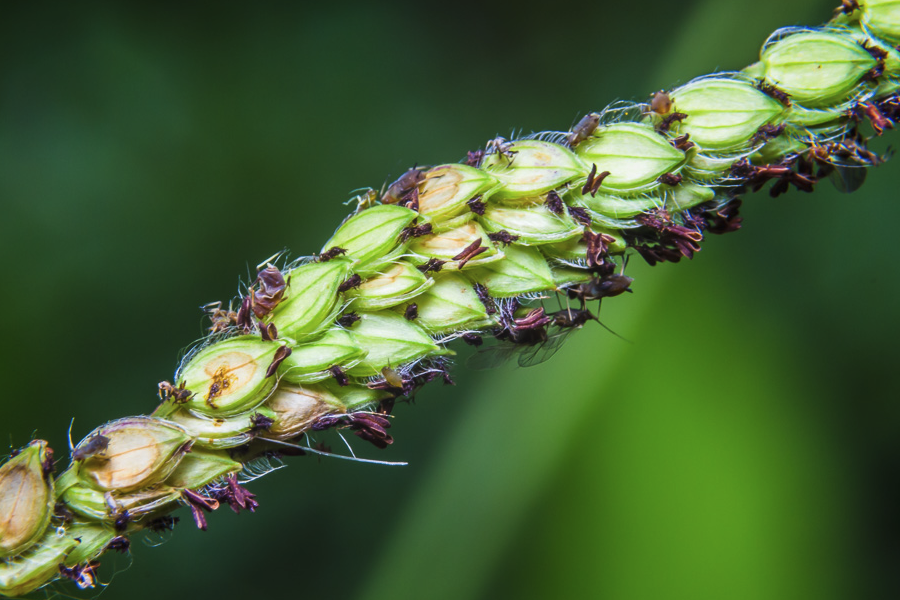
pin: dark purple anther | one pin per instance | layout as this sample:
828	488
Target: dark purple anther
245	315
282	353
84	574
268	332
198	504
271	291
670	179
489	305
120	523
535	319
581	215
260	423
339	376
772	91
469	252
597	247
477	206
554	202
594	181
415	231
236	496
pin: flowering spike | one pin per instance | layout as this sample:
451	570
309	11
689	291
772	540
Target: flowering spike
453	252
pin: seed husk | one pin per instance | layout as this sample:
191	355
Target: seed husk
141	452
229	377
889	81
391	341
524	270
780	146
356	397
614	206
532	167
296	408
447	188
817	68
802	117
398	283
565	276
26	499
36	567
723	114
882	17
311	299
93	538
108	506
371	235
687	196
633	153
449	244
533	225
450	305
576	248
309	362
218	433
201	467
453	223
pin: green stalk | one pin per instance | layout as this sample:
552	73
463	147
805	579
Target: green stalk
131	473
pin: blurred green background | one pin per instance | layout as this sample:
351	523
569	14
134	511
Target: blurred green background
743	445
